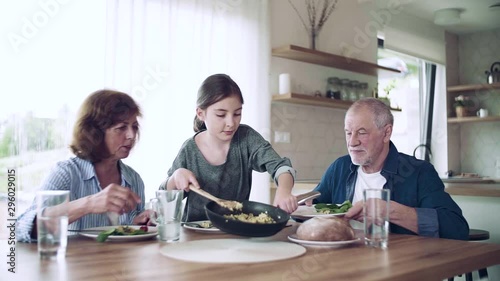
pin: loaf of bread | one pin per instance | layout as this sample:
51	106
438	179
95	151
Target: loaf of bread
325	229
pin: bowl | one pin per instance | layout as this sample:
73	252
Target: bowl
216	215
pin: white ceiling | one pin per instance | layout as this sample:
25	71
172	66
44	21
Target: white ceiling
475	16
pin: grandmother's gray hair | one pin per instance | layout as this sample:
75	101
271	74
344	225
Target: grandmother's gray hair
379	109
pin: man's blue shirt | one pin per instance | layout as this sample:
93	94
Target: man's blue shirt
412	182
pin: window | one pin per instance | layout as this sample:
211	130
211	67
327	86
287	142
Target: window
411	93
54	59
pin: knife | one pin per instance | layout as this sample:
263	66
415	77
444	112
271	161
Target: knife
302	198
192	224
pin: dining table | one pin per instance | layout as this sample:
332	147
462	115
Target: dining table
407	257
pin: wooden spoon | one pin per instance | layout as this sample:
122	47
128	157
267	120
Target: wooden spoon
231	205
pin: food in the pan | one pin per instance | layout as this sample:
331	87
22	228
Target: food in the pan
325	229
206	224
251	218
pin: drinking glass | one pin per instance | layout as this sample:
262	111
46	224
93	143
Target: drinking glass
52	223
376	217
167	207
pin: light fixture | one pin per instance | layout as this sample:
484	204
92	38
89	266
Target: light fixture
447	16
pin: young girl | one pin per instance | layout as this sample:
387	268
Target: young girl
221	155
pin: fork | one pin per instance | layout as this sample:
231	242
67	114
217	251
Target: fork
113	218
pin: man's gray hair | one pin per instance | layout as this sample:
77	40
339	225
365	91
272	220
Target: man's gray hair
379	109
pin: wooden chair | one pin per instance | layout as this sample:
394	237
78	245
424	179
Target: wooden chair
477	235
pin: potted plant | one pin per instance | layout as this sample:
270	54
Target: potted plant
461	106
387	88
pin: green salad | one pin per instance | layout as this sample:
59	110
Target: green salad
121	230
325	208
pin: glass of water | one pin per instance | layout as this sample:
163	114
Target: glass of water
167	207
52	223
376	204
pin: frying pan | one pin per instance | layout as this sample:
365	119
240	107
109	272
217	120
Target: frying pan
216	215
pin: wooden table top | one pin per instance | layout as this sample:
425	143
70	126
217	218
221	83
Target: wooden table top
408	257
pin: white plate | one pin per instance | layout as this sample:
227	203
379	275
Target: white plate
230	251
200	229
152	232
294	238
310	211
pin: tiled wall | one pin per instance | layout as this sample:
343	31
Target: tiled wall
317	137
480	142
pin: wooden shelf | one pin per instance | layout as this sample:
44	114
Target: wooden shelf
316	101
310	100
472	119
473	189
473	87
326	59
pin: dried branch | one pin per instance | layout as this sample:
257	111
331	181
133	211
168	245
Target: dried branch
330	9
326	11
323	12
311	10
301	19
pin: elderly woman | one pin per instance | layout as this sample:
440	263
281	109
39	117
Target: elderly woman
103	190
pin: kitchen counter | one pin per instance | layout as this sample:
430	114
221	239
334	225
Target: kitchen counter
473	189
464	189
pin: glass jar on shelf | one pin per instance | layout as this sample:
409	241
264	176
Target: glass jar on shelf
353	90
362	90
344	93
334	88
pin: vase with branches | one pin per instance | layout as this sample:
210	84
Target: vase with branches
316	20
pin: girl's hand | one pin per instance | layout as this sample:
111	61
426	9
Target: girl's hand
181	179
285	201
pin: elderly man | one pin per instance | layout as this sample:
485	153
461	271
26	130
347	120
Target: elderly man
419	205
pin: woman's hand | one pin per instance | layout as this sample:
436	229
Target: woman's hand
181	179
143	218
113	198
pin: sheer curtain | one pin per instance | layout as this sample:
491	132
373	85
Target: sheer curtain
161	51
51	58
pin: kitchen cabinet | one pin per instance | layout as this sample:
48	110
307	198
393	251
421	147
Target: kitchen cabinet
297	53
454	91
